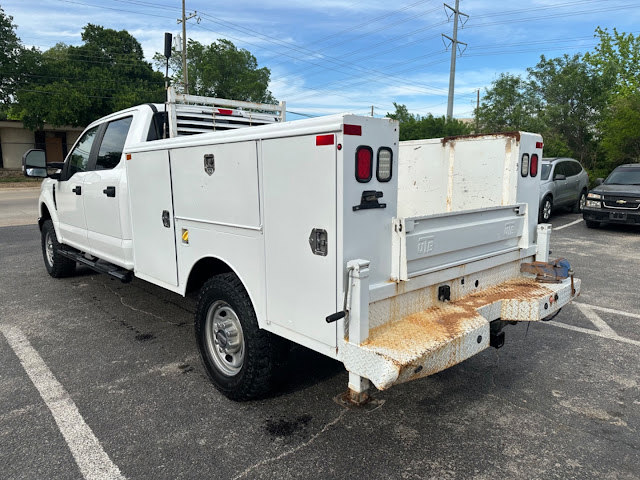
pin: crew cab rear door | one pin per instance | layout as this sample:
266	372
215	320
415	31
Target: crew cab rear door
105	191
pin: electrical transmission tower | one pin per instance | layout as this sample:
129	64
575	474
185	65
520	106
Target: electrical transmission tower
456	14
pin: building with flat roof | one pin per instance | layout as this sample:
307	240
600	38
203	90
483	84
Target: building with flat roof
15	140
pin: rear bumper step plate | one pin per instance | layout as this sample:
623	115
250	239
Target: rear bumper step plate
430	341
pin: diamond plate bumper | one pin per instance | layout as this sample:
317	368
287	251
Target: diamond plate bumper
439	337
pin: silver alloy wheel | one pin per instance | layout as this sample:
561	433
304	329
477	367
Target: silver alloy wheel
583	201
546	209
48	242
224	338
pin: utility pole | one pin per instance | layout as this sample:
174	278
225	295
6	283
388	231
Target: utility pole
477	110
372	107
183	20
454	51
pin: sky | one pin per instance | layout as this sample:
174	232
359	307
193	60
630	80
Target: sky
331	56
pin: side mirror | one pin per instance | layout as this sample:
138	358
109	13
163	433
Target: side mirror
34	163
560	176
599	181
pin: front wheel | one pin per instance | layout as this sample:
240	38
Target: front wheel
238	356
57	265
545	210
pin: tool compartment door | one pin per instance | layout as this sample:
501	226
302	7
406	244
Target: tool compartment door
152	222
300	196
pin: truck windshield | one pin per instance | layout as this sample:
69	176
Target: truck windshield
546	169
624	176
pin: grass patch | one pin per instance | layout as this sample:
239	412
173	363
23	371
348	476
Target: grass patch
19	180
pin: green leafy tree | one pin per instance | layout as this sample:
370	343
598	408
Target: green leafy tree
572	97
416	127
509	104
616	58
621	129
10	50
220	70
70	85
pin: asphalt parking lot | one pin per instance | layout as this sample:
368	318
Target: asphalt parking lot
103	380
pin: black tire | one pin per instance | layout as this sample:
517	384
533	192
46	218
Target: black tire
592	224
579	205
57	265
224	319
545	210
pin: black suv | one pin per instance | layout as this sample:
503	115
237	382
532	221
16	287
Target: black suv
616	199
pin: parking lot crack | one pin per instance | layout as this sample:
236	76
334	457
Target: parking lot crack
131	307
293	450
555	421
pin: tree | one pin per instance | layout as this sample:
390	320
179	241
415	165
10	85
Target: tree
572	98
416	127
621	129
76	85
617	60
220	70
10	49
509	104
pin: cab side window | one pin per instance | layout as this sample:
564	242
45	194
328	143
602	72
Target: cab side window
79	158
113	143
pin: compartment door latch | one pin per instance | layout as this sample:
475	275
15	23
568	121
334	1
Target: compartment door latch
318	241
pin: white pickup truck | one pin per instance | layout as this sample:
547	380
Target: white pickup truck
399	259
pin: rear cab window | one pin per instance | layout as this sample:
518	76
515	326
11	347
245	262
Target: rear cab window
112	143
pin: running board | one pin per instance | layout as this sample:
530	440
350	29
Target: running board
125	276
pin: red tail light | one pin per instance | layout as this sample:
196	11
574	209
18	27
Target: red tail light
224	111
353	129
534	165
364	164
324	140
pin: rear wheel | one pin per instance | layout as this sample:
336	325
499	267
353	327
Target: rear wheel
238	356
582	201
592	224
57	265
545	210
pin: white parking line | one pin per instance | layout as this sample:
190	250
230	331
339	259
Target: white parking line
596	320
568	224
604	330
608	310
597	333
92	460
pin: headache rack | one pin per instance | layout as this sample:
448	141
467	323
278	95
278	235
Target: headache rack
193	114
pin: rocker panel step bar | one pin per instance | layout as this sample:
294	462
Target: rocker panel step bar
125	276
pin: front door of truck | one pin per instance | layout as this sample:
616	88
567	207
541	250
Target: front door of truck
105	192
70	189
